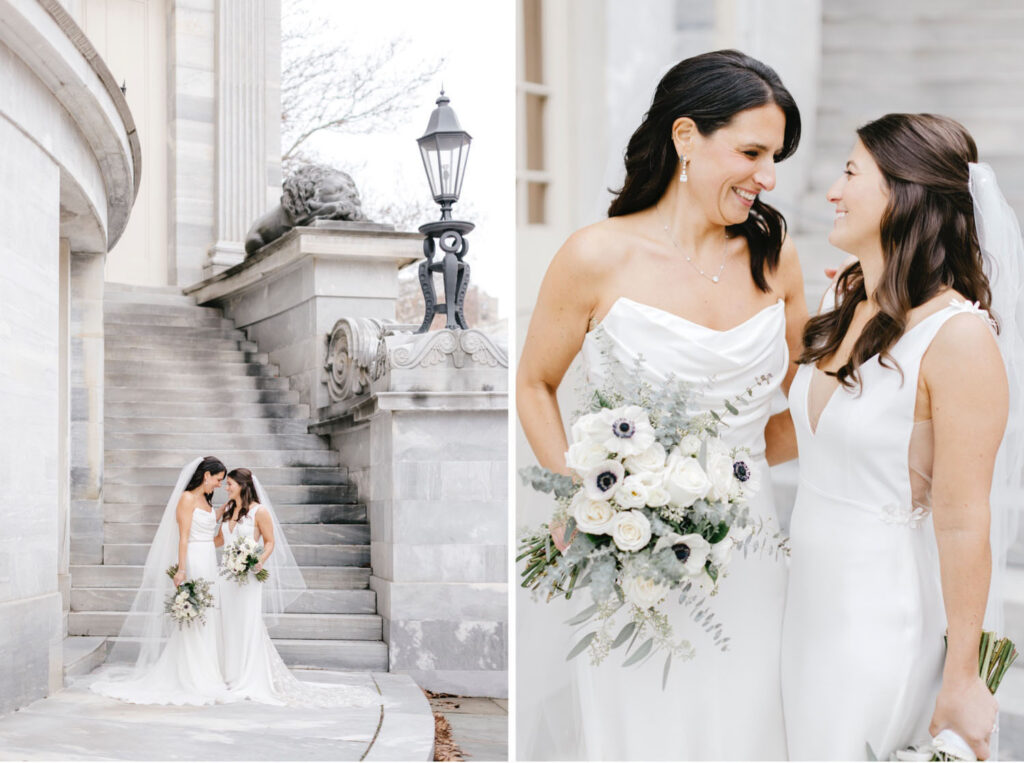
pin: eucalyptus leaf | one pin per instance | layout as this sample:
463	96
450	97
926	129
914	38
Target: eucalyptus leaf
582	617
664	673
642	651
732	408
624	634
583	644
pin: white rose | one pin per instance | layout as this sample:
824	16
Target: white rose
685	481
690	445
693	556
721	552
657	495
592	516
592	428
603	479
631	531
632	494
719	471
643	592
650	461
585	455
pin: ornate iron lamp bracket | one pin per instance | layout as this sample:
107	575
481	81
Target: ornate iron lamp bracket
450	235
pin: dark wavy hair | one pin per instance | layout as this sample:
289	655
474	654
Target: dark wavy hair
209	465
929	239
247	496
710	89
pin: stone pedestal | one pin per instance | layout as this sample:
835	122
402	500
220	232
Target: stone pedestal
421	420
288	296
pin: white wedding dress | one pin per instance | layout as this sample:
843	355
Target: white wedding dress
253	668
863	645
187	671
719	705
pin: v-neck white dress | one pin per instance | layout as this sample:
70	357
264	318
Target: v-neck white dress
862	646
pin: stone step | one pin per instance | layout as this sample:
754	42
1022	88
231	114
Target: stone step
129	575
903	66
333	654
963	35
142	292
83	654
128	330
289	475
305	513
312	601
307	534
146	378
156	344
251	459
948	98
123	307
198	425
212	441
116	320
289	626
327	654
197	395
191	409
179	355
284	494
319	556
133	364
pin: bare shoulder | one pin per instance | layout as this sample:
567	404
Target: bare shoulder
965	348
596	250
788	273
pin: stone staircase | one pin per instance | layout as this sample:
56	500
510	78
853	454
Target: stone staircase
181	382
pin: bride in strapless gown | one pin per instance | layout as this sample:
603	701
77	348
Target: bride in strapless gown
704	696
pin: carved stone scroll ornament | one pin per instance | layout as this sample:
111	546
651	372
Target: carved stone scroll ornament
356	357
457	348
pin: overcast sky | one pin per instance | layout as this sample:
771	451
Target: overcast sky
477	41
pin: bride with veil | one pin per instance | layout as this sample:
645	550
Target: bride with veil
173	665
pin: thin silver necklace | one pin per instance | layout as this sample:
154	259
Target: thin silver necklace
689	258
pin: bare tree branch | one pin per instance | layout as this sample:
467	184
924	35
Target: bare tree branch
325	87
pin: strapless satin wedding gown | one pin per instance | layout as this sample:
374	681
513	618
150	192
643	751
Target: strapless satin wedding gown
719	705
188	671
863	636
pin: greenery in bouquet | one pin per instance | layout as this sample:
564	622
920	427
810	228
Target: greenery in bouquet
239	558
189	601
995	656
656	507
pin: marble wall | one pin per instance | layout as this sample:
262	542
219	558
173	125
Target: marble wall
30	603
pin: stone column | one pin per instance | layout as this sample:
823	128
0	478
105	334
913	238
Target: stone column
87	408
421	421
248	123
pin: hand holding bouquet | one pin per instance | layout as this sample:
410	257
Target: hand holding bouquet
241	557
189	601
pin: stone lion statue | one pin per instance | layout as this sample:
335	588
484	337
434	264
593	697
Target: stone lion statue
314	191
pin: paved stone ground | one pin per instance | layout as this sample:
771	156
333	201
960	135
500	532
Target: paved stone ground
76	724
479	725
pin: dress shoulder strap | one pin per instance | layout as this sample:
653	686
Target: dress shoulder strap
924	333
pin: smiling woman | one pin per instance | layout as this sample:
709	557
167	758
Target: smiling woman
713	292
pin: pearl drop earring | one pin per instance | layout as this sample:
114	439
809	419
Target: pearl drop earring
682	175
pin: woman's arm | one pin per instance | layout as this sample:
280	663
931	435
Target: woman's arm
565	305
266	528
967	388
186	504
779	434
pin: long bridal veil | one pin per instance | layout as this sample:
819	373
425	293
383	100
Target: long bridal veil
285	583
1003	252
146	628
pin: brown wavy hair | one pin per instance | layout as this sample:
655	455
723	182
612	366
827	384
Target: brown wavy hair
929	239
247	495
710	89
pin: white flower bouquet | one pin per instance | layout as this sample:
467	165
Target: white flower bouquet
190	600
240	557
995	656
656	506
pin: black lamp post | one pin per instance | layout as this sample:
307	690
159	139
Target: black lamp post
444	148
